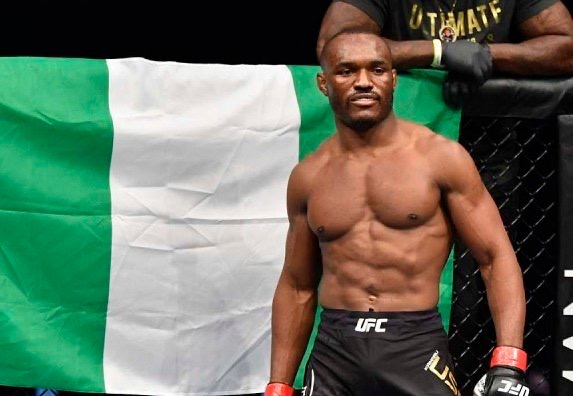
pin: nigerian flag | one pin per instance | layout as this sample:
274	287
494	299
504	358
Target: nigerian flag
143	217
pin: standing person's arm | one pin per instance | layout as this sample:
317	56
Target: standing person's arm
547	49
470	59
477	221
405	54
295	300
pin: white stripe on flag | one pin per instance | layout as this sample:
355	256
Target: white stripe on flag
201	158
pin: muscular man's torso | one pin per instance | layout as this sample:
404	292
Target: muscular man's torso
383	233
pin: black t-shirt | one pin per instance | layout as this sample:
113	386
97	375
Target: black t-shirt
490	21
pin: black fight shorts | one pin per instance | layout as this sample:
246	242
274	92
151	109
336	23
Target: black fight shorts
380	353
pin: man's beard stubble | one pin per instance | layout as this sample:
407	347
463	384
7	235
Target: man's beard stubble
364	124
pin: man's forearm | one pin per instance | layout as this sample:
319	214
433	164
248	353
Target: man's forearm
411	54
541	56
506	298
509	322
292	321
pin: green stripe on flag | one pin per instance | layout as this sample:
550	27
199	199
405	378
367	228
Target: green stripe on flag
418	97
55	150
316	122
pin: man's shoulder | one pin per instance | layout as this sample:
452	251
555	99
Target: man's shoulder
443	152
442	145
314	161
323	151
446	159
429	141
420	131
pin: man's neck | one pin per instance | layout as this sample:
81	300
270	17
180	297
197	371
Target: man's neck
383	134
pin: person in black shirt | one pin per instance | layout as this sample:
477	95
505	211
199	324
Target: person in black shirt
517	37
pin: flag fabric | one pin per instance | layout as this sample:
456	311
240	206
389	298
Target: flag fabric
143	217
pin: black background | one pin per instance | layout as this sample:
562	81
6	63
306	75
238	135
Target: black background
266	32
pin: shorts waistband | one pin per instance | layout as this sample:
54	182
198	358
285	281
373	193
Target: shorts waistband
372	320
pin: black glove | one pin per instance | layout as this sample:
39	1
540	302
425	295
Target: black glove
456	88
469	59
506	375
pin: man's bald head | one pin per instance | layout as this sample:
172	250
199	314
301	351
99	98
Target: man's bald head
349	33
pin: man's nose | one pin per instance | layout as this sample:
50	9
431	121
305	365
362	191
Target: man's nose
363	79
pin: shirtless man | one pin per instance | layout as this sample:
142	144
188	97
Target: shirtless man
372	214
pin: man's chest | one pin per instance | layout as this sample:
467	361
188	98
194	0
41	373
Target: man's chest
396	195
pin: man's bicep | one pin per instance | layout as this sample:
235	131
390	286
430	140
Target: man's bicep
473	212
477	222
302	265
553	20
341	15
376	10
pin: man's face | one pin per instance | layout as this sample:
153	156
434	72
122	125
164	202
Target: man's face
358	79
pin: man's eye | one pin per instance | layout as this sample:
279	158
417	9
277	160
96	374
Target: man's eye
379	70
346	72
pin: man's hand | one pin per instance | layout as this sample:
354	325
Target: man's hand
468	59
279	389
506	375
456	88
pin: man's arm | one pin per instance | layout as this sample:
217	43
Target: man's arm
295	299
405	54
547	49
478	223
471	60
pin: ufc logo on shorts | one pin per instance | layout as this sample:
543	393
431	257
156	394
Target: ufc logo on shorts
518	390
365	325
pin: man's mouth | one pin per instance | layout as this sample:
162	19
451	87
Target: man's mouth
364	99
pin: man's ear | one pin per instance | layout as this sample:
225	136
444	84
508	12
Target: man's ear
321	83
394	77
